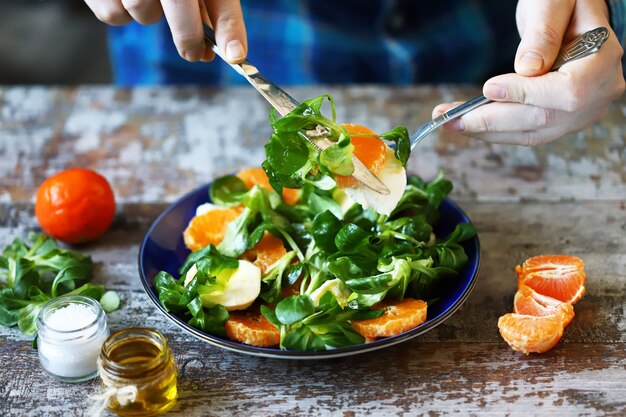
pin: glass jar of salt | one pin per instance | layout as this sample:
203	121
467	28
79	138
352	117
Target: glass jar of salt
71	330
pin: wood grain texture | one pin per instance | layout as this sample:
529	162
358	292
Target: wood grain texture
155	145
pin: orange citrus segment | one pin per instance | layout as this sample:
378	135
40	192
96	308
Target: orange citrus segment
256	176
269	250
369	148
210	227
557	276
528	334
251	328
399	316
528	302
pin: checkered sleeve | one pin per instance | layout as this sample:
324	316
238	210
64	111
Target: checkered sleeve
617	9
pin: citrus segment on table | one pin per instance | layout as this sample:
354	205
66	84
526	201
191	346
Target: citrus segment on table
399	316
210	227
251	328
256	176
265	253
528	302
558	276
76	205
530	334
368	148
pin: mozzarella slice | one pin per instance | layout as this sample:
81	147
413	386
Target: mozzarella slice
241	287
393	175
203	208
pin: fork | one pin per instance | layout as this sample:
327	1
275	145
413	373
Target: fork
584	45
284	103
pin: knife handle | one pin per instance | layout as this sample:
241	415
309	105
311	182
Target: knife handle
277	97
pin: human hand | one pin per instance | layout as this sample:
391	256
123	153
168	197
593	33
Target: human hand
184	18
534	106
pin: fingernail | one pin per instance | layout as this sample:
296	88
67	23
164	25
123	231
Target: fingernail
532	61
193	55
495	92
234	50
456	125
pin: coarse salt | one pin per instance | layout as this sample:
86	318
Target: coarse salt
71	332
71	317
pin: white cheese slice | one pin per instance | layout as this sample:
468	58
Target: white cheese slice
241	288
393	175
204	208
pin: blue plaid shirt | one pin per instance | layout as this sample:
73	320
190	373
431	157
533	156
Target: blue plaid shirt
347	41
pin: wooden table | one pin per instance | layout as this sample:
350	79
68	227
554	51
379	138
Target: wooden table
155	145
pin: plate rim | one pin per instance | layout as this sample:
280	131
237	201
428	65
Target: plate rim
293	354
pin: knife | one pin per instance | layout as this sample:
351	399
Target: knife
284	103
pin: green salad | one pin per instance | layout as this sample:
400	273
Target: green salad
340	269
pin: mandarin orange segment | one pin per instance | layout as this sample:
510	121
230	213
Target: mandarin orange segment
557	276
528	334
528	302
251	328
399	317
269	250
256	176
210	227
368	147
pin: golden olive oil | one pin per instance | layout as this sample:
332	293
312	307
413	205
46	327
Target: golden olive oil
138	372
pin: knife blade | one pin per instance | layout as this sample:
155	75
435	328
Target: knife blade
284	103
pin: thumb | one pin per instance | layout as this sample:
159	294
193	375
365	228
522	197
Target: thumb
545	25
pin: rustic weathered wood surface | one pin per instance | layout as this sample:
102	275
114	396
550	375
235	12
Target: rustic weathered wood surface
154	145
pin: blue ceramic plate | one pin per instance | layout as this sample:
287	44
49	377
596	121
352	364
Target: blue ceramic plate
163	249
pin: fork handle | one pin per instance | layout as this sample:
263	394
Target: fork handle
586	44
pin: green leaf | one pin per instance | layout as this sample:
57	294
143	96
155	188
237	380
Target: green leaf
350	238
169	292
287	152
236	240
27	318
324	229
319	204
209	260
228	190
400	136
270	315
461	233
213	262
302	338
293	309
338	157
438	189
211	320
22	275
452	256
10	305
89	290
69	276
17	249
273	281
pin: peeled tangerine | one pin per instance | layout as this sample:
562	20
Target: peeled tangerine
548	285
528	334
393	175
381	161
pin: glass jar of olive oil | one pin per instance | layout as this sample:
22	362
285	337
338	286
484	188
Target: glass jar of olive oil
138	373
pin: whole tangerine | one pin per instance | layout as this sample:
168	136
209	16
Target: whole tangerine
76	205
